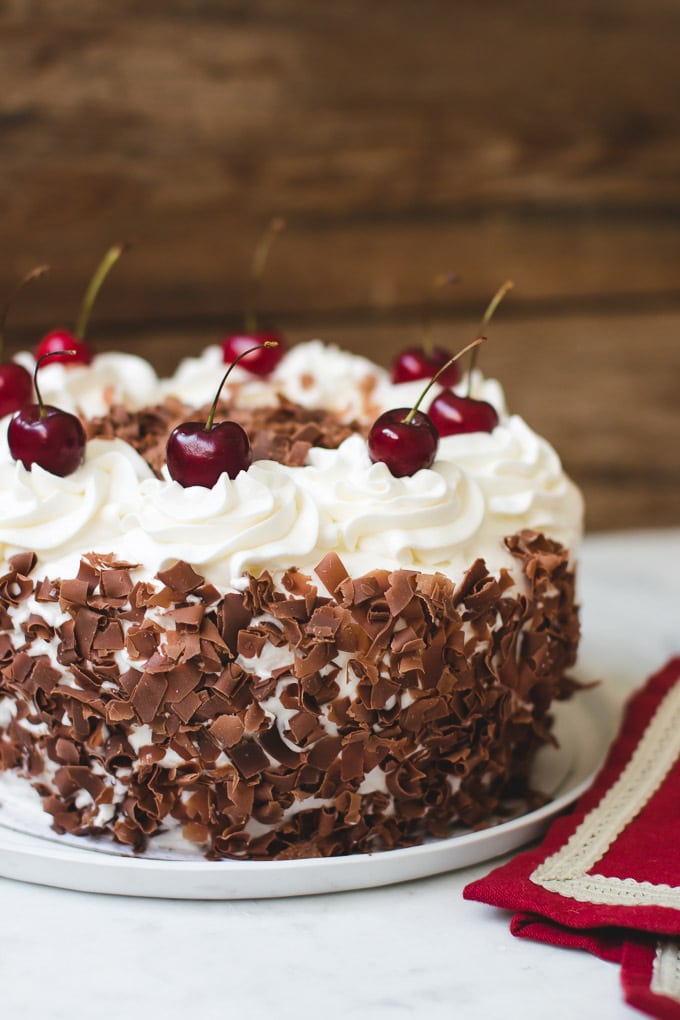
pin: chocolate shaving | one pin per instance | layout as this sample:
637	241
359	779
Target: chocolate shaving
284	432
249	758
180	578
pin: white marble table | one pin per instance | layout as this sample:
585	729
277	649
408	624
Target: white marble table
412	950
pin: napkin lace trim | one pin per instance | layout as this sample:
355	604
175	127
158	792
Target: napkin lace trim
566	871
666	970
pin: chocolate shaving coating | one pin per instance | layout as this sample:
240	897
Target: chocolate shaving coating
402	704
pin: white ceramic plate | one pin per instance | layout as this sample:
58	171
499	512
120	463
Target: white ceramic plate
30	852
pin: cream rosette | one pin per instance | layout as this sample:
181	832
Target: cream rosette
312	374
522	480
195	380
259	520
90	390
316	374
376	520
61	519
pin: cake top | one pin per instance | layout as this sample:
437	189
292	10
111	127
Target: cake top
311	489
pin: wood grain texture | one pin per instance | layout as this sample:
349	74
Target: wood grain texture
524	140
531	140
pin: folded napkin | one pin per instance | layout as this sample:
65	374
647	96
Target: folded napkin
606	878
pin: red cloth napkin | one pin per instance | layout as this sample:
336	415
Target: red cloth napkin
607	876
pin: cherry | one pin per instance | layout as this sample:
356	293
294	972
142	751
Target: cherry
16	387
417	363
16	383
72	348
265	347
58	341
198	454
422	362
43	435
262	359
405	439
452	414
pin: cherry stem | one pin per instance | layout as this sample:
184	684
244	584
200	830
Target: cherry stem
486	319
442	280
44	357
35	274
102	271
244	354
412	413
260	256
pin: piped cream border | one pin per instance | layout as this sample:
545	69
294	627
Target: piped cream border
567	871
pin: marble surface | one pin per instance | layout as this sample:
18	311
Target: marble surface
413	950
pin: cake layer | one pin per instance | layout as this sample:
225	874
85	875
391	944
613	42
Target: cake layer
314	715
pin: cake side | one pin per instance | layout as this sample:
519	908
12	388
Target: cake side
280	722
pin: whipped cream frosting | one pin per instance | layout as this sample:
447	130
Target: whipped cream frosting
312	374
90	390
260	519
61	518
481	488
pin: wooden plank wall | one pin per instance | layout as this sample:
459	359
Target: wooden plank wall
398	139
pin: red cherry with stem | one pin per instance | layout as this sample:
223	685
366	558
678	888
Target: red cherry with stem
452	414
415	363
405	439
58	341
61	342
16	383
264	350
422	362
265	347
197	454
44	435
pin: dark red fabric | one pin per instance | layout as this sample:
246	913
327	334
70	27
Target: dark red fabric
636	973
647	850
607	943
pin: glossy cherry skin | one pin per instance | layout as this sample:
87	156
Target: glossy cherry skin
453	415
416	363
405	447
62	340
261	362
55	442
198	456
16	387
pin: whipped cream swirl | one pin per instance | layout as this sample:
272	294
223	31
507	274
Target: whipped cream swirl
260	519
372	518
313	374
90	390
62	518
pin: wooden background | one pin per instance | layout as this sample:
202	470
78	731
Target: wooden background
399	139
